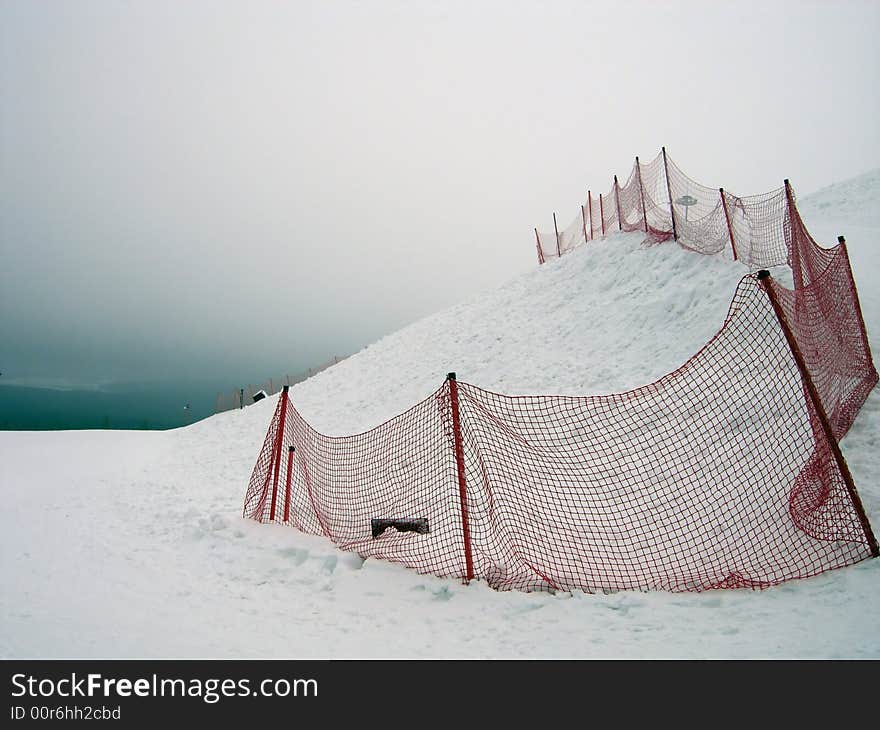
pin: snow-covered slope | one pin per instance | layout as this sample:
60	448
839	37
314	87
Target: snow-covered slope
845	202
132	544
608	317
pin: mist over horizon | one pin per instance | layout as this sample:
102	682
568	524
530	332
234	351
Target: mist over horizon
225	192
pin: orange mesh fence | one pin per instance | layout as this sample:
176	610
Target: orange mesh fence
725	473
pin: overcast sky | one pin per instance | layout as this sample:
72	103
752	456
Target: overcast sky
251	187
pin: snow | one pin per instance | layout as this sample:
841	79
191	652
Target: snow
131	544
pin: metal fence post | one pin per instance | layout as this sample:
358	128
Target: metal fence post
669	193
642	193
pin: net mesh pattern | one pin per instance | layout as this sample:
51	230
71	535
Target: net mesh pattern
631	215
609	213
756	228
403	469
573	234
718	475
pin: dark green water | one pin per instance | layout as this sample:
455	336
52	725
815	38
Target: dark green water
157	405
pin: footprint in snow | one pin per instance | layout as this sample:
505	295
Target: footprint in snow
297	555
352	561
442	594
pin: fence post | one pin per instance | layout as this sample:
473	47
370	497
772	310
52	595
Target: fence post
590	206
641	193
240	398
764	280
795	254
729	227
290	451
279	441
617	198
538	244
858	305
669	193
555	228
584	219
462	483
602	214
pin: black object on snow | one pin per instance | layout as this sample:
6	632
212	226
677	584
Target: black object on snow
411	524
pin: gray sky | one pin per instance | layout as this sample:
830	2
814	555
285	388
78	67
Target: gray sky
251	187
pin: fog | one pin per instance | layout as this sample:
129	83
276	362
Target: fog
248	188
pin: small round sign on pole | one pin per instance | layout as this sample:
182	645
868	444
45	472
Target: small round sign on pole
687	201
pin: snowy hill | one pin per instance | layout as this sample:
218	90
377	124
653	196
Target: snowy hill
852	201
610	317
132	544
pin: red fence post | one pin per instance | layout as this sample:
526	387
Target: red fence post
279	441
641	193
540	252
590	206
764	280
290	451
601	214
462	483
555	228
729	227
669	193
617	198
584	219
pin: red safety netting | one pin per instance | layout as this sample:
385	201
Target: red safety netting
721	474
404	468
632	216
573	234
609	211
754	229
826	319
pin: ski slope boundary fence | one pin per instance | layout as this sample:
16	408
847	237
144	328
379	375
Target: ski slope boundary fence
245	396
661	200
725	473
